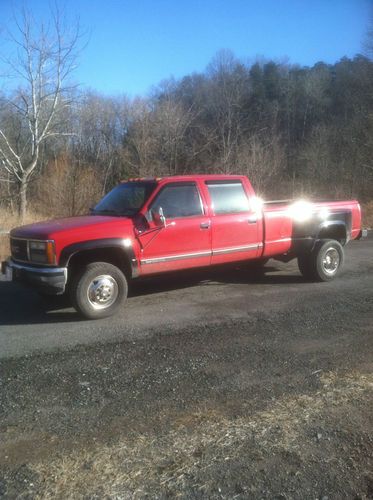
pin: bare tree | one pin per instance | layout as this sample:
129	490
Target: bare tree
225	100
171	122
101	124
66	187
262	157
141	142
44	59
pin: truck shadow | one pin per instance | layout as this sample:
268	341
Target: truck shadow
249	275
22	306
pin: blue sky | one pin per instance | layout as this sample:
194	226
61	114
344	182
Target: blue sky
136	44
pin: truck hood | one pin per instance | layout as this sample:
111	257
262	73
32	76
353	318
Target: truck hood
82	227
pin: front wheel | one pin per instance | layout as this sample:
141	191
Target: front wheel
98	290
324	262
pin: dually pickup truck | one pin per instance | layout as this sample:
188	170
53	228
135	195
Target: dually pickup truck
153	226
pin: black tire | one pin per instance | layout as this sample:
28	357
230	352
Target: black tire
99	290
324	262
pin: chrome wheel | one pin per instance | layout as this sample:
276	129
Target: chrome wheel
102	291
324	262
331	261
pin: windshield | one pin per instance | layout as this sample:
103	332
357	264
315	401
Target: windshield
125	199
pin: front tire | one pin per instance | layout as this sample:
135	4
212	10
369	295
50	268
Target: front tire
324	262
99	290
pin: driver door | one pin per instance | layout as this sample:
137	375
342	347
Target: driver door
184	241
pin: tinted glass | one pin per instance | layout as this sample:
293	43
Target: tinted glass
228	198
125	199
178	201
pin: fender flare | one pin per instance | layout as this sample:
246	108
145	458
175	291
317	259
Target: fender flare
120	243
306	235
329	224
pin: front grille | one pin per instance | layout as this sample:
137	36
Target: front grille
19	249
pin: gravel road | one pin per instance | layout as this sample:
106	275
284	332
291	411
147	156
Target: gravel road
28	323
220	384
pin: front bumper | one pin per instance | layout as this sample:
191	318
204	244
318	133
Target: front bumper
50	280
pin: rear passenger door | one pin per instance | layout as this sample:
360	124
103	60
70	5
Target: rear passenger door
185	241
234	225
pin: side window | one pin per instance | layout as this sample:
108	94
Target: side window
228	198
178	201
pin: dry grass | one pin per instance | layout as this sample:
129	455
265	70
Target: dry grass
367	214
133	468
4	247
9	220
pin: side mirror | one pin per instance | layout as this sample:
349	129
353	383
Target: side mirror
158	217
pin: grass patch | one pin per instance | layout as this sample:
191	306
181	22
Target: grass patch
197	445
4	246
9	220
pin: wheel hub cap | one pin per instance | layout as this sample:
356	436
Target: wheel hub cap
102	291
331	261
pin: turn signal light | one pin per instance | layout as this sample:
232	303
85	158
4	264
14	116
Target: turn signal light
51	253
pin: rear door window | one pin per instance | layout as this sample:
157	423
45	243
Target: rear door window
228	197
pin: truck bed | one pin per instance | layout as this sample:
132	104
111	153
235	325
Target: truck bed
282	221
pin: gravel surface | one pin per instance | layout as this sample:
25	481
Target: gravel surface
233	385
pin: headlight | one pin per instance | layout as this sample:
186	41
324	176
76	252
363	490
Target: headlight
42	252
37	245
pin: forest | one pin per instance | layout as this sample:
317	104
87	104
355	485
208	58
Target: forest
294	130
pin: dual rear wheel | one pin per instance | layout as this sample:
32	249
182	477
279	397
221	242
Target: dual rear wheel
324	262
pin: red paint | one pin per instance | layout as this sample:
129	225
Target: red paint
194	241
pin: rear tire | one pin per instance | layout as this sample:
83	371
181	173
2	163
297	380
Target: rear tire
99	290
324	262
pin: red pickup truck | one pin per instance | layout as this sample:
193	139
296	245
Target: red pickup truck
152	226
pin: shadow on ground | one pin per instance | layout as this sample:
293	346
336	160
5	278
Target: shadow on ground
21	305
227	275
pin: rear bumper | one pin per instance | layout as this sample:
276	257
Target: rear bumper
50	280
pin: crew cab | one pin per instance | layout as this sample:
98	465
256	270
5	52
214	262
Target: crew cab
153	226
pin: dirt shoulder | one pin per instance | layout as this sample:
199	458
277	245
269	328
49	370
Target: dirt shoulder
273	406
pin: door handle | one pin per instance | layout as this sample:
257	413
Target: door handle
204	225
252	219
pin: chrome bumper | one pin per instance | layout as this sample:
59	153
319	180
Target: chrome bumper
47	279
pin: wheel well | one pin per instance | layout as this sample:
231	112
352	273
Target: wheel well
335	232
114	256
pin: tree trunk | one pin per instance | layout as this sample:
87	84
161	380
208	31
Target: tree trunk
22	205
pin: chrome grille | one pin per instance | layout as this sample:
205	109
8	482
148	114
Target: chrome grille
19	249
